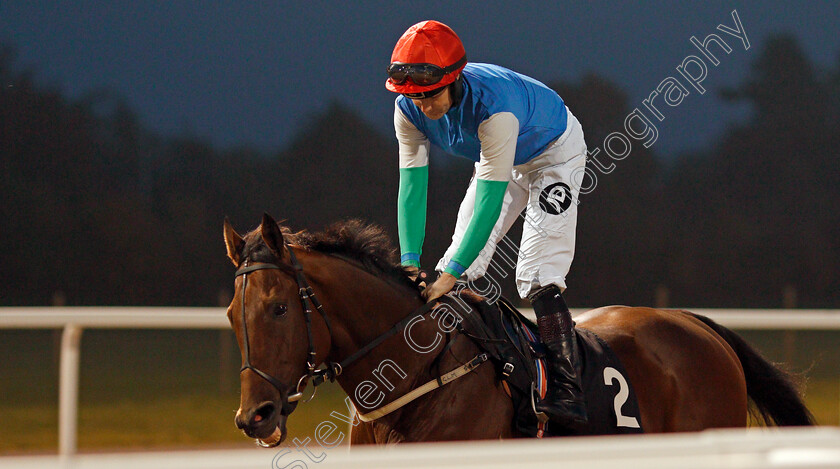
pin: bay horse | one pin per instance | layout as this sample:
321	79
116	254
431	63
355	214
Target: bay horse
339	297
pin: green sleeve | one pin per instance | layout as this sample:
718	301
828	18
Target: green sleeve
411	213
489	197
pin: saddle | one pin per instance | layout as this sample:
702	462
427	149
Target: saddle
512	342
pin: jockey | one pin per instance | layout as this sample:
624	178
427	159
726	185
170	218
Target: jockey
528	151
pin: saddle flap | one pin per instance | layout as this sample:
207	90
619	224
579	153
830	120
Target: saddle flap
611	402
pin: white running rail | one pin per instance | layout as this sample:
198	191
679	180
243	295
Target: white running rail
73	320
789	448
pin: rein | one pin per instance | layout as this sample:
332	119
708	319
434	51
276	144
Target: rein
333	369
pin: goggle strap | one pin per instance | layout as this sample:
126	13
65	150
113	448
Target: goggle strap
425	94
455	66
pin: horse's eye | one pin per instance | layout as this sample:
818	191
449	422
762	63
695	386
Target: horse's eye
278	310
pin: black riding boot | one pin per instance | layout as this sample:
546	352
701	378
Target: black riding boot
564	401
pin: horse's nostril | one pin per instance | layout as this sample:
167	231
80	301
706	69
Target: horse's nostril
264	412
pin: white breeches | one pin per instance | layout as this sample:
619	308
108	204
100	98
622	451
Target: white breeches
545	192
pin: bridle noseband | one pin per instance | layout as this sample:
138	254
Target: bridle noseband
308	301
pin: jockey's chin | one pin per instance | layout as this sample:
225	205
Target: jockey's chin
434	116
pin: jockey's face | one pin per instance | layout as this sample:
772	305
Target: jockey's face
435	107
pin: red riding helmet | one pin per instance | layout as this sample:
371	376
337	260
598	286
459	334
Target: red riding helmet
430	43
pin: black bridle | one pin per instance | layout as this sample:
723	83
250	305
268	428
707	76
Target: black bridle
310	302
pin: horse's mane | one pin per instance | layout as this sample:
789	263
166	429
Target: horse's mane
365	243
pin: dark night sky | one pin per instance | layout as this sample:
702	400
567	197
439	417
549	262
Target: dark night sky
253	72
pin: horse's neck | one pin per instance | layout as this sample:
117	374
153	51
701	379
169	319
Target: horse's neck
360	310
363	308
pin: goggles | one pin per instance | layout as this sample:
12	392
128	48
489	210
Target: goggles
421	74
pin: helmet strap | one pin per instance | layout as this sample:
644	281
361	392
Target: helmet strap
457	90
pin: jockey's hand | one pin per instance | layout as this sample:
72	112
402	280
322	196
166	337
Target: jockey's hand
440	287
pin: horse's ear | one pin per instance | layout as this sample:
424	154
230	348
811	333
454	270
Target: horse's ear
271	234
233	242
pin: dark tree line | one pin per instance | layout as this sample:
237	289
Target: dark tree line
106	212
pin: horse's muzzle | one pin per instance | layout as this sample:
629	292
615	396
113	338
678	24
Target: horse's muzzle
266	422
262	422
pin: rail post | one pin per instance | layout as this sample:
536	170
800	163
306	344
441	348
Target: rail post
68	390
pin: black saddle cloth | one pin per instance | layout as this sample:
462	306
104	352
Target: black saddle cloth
512	342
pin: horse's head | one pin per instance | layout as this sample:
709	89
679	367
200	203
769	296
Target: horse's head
268	317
